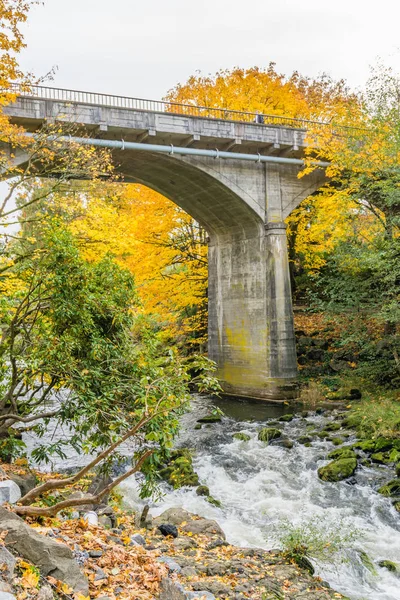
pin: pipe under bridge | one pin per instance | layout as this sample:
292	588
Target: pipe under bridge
239	179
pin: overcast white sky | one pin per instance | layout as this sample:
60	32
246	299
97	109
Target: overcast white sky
144	47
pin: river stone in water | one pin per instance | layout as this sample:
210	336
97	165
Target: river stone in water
337	470
390	489
345	452
267	434
241	436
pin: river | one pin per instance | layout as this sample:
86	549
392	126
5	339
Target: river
261	485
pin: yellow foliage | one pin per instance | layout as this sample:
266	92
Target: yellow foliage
140	228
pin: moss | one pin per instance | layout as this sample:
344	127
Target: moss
210	419
382	444
380	458
367	562
179	470
365	445
304	439
198	426
338	470
337	441
332	426
390	489
352	421
269	433
214	501
241	436
345	452
203	490
389	565
286	418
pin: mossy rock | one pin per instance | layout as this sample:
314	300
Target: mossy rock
214	501
179	470
382	444
332	427
304	439
285	443
267	434
198	426
382	458
323	435
394	456
203	490
210	419
286	418
365	445
352	421
338	470
241	436
345	452
390	489
337	441
397	506
389	565
367	562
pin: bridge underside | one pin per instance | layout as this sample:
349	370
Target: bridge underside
242	206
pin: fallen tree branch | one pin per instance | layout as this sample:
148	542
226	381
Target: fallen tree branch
51	511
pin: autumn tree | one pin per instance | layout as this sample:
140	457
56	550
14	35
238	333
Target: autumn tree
363	274
321	221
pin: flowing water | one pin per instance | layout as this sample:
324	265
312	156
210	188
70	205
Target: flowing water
261	485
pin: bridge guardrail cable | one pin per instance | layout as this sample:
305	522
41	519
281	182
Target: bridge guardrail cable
161	106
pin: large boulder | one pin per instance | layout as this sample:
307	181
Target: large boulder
204	527
51	557
189	523
337	470
26	482
174	516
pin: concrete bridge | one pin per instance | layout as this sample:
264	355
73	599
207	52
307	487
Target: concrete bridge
239	180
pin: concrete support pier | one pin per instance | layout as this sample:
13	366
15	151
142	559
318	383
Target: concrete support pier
251	334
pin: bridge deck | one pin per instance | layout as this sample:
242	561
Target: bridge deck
148	121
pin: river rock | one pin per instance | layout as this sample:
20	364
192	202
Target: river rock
267	434
204	527
391	489
9	492
367	446
45	593
203	490
210	419
345	452
49	556
170	563
172	590
7	563
338	470
26	482
168	529
240	435
7	596
389	565
286	418
175	516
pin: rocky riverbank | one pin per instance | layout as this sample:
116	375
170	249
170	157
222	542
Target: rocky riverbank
176	556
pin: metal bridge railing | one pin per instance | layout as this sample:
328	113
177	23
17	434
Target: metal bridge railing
159	106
